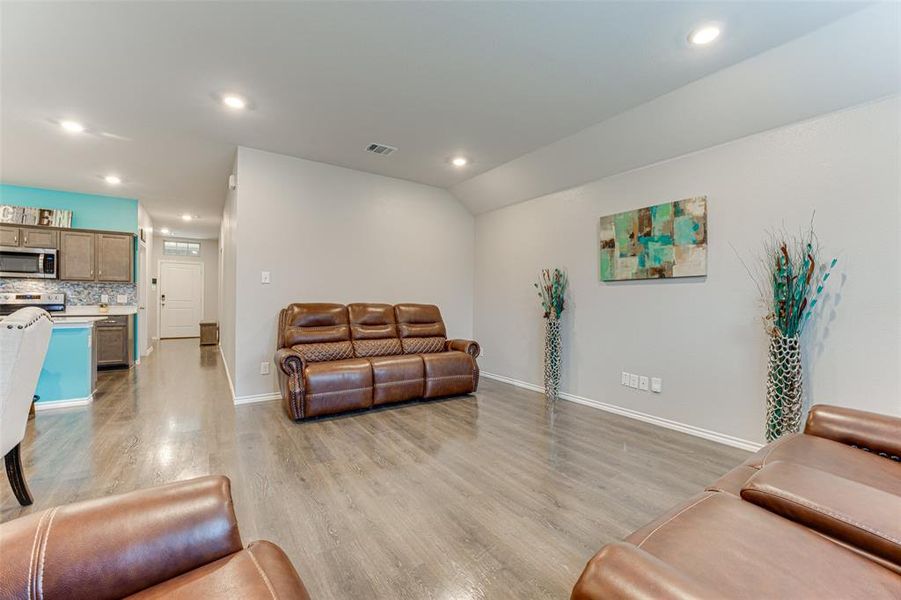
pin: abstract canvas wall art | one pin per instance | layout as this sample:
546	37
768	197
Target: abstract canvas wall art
665	240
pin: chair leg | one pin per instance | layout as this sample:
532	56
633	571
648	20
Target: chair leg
16	476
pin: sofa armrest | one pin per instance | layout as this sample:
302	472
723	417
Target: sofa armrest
867	430
468	346
289	361
115	546
856	514
623	571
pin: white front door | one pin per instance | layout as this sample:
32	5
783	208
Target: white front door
181	299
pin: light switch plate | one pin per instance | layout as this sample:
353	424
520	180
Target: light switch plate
625	379
121	299
264	277
643	383
633	380
104	298
656	384
264	368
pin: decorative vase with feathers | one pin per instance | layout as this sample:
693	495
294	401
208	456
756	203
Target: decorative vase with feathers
551	287
791	284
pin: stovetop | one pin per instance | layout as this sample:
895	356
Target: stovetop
10	302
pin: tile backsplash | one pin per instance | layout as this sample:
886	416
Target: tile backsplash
77	293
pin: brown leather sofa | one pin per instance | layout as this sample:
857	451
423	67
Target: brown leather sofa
174	541
812	515
334	358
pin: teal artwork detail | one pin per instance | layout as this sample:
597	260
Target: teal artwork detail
664	240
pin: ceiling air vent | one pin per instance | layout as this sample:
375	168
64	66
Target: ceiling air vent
380	149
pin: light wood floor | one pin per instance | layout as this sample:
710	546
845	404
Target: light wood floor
486	496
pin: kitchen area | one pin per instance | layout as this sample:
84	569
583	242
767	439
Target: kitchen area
85	279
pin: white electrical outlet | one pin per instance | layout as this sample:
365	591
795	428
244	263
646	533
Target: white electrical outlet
121	298
656	384
625	379
643	383
633	380
264	277
264	368
104	298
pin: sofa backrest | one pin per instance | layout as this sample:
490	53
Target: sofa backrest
373	329
420	327
317	331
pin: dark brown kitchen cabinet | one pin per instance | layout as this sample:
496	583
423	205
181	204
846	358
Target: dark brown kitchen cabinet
114	256
115	340
76	255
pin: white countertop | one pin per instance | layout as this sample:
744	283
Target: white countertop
72	322
93	310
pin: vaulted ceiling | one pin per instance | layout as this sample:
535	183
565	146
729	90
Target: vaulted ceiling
489	80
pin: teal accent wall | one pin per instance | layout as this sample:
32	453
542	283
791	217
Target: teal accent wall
66	374
89	211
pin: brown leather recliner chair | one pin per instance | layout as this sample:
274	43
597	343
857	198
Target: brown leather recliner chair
174	541
334	358
811	515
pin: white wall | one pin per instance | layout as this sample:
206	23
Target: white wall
331	234
145	329
209	257
228	252
704	337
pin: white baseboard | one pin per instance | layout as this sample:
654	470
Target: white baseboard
55	404
227	374
707	434
254	398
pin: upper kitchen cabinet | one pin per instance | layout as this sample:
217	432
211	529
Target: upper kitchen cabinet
9	236
76	255
39	238
28	237
114	257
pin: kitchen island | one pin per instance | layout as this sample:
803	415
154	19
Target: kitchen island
69	375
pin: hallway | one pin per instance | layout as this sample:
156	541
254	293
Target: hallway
486	496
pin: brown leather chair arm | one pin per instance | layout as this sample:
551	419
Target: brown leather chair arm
871	431
851	512
289	361
623	571
290	381
468	346
115	546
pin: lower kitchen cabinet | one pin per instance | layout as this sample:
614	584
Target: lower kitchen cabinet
115	341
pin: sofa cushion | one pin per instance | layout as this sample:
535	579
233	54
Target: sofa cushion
373	329
337	386
420	327
741	550
448	373
260	571
857	515
397	378
833	457
318	332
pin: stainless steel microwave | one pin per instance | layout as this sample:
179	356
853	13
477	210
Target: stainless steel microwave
35	263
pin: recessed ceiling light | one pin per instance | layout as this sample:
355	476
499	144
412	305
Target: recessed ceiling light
113	179
704	35
164	231
72	126
186	217
234	101
460	161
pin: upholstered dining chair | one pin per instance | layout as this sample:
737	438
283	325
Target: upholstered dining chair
24	338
